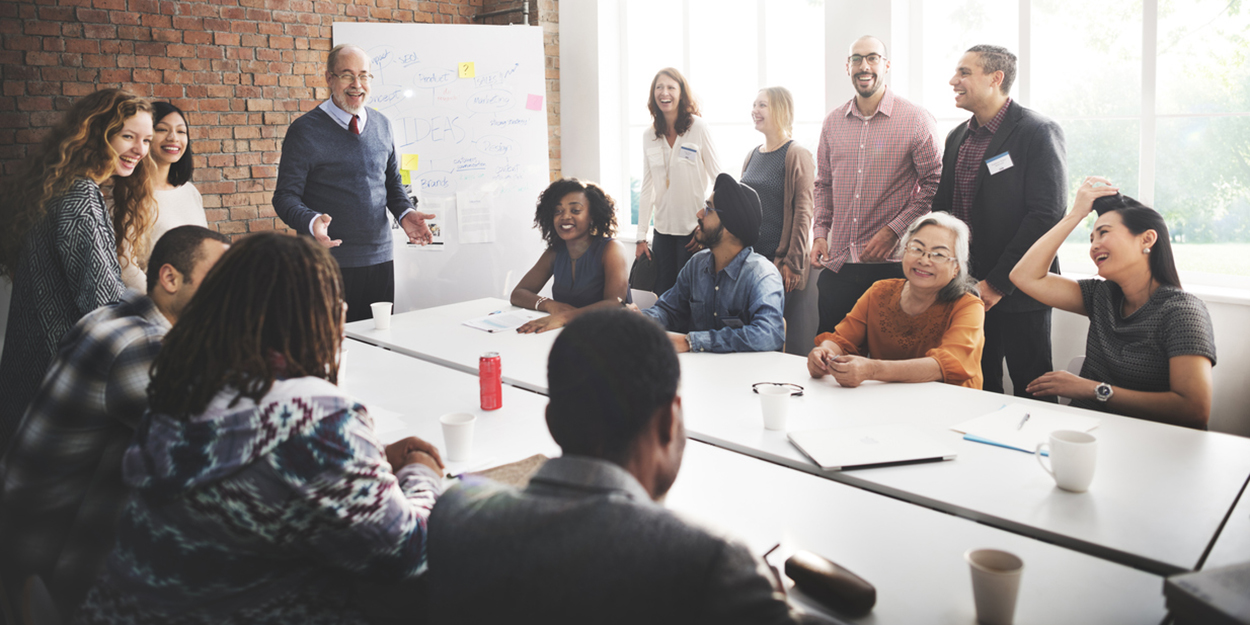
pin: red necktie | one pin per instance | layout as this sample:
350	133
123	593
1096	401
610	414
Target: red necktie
353	126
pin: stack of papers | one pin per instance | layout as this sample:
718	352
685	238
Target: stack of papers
1002	427
498	322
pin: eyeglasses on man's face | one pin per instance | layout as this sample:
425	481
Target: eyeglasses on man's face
348	78
860	59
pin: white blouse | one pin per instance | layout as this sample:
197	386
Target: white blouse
675	179
180	206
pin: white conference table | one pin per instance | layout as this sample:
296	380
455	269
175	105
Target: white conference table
1156	503
912	555
406	396
1233	544
439	335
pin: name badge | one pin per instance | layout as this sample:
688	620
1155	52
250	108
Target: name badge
999	163
688	153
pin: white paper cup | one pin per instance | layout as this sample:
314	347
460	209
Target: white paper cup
1073	457
381	315
343	365
775	401
458	435
995	584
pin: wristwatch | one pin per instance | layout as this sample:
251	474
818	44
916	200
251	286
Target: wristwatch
1103	392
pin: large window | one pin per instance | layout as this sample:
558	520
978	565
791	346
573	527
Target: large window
728	50
1153	95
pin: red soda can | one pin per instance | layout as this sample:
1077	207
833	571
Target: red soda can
489	374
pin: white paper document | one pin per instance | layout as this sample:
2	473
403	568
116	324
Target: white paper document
476	215
504	321
1009	427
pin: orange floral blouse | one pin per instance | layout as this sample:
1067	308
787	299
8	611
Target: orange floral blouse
952	333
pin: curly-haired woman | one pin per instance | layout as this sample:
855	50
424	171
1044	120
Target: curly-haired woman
578	221
59	243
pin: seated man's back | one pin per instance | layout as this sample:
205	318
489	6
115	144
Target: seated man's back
584	543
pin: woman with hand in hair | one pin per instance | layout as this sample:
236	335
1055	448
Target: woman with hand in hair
1150	346
260	493
679	161
58	242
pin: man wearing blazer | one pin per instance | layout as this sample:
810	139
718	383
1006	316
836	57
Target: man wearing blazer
1004	174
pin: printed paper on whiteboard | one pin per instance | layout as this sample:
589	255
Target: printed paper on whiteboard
476	216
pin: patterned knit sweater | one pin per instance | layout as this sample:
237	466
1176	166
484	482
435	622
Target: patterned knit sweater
261	513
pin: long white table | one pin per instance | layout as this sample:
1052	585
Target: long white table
1233	544
1157	501
912	555
438	335
406	396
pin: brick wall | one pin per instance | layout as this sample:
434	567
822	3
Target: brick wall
242	69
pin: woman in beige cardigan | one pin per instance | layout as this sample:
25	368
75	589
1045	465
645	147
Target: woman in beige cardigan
782	172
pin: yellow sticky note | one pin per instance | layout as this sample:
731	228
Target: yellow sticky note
405	176
466	69
409	162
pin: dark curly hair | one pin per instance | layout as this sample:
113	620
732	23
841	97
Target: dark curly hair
602	209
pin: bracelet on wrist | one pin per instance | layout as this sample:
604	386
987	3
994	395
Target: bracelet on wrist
539	304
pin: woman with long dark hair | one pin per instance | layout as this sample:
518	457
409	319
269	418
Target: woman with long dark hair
260	492
578	221
178	202
1150	346
679	161
58	242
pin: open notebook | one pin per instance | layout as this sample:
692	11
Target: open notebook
869	446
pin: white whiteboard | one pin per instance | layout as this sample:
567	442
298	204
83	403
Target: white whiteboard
482	134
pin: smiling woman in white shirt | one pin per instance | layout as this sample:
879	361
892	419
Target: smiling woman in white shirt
679	161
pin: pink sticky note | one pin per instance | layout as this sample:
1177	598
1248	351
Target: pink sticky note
535	103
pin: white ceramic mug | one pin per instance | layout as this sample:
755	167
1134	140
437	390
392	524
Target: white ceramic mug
1073	456
995	584
381	315
458	435
775	401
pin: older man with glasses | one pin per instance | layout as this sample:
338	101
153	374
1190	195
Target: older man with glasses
339	176
878	166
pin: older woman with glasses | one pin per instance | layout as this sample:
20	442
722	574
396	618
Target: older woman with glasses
928	326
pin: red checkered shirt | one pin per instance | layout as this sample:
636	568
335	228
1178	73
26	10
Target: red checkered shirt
873	172
971	153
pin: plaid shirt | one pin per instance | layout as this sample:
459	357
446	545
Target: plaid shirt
873	172
62	474
971	153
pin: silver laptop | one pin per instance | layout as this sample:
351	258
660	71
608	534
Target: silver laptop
869	446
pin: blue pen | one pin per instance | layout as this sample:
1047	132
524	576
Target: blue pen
977	439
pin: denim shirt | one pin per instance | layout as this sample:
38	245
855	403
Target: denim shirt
704	304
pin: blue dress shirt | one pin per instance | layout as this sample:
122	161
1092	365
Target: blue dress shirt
738	309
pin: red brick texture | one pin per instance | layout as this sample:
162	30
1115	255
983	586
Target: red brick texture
242	69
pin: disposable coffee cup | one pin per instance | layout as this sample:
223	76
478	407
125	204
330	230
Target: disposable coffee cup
458	435
1073	457
995	584
775	402
342	377
381	315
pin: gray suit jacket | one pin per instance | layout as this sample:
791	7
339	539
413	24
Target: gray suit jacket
584	543
1015	207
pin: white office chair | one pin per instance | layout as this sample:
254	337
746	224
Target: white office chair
1074	367
643	299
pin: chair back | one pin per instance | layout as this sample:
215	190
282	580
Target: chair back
1074	367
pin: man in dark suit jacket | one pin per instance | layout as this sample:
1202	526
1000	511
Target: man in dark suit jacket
586	542
1004	174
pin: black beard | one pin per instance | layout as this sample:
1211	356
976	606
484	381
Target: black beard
868	94
710	239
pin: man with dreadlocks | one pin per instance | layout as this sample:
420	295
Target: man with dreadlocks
259	490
